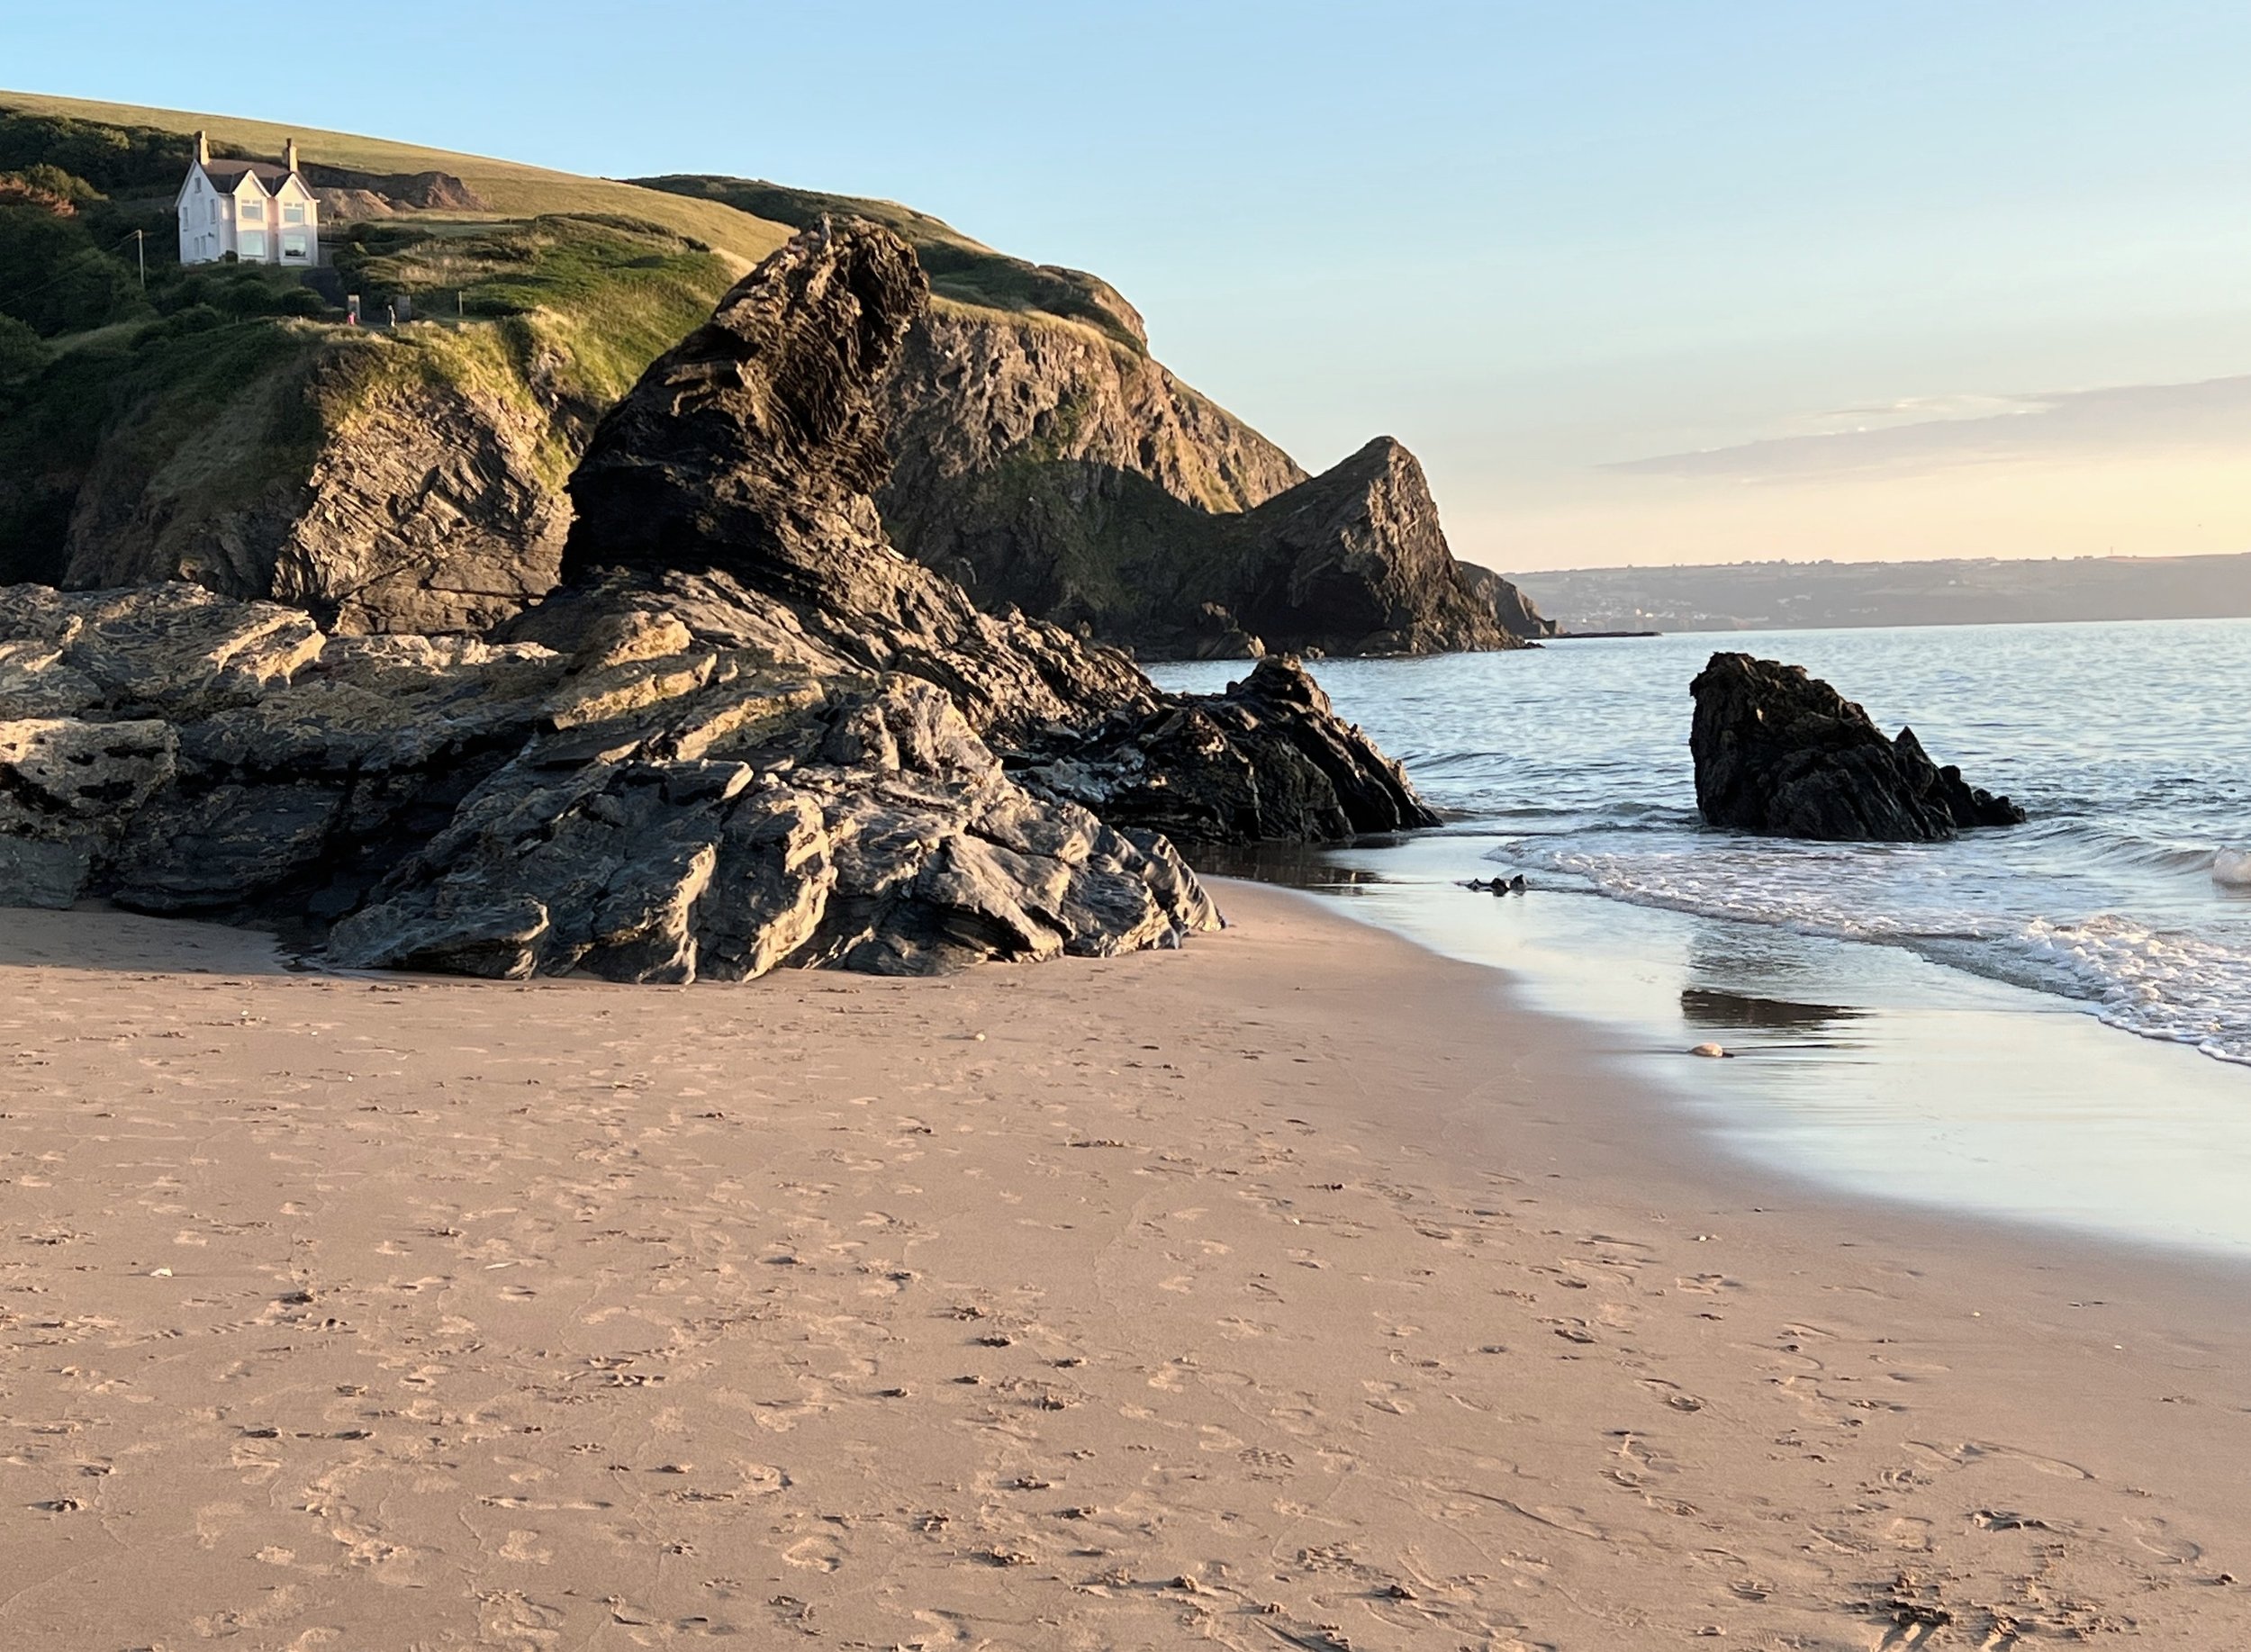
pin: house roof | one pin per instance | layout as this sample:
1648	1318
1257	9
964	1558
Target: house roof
227	174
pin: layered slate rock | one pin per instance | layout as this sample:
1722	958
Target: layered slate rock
648	809
747	734
1782	753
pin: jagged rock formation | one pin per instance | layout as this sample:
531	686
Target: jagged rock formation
1266	760
1781	753
1043	460
1353	560
643	810
1049	468
741	470
747	733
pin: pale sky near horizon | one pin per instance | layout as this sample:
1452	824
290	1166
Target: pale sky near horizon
1640	282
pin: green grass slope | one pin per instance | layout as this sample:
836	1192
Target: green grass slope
510	189
551	302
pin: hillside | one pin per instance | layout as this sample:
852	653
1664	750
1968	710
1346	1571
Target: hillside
512	189
218	425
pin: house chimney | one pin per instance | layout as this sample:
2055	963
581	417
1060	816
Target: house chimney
202	149
289	156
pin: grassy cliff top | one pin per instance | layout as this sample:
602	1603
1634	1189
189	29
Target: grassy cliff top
965	270
512	189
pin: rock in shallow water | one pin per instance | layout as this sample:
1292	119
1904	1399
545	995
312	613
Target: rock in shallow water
1782	753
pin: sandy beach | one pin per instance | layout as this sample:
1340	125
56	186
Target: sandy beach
1296	1289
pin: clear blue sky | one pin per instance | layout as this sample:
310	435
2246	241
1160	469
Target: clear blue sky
1536	242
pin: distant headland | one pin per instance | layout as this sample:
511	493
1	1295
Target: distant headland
1786	596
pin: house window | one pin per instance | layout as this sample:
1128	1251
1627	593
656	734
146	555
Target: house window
253	243
293	246
293	211
254	211
214	209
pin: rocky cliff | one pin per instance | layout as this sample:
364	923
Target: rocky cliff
1511	605
1045	461
403	479
744	733
410	480
1048	467
376	494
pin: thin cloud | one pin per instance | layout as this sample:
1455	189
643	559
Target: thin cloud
2062	424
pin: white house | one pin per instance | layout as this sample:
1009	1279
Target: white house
260	213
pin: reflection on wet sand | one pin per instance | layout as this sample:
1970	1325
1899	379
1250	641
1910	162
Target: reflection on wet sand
1712	1007
1293	866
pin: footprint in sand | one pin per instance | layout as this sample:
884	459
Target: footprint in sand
525	1548
1971	1450
2158	1537
818	1554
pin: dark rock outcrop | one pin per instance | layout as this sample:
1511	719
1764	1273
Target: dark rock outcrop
378	195
645	809
1267	760
747	734
1781	753
1353	560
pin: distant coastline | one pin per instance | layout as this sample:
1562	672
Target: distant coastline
1766	596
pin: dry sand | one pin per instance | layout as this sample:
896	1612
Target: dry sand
1291	1291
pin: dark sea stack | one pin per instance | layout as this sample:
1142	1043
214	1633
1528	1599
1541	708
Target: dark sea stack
1783	753
755	446
1353	560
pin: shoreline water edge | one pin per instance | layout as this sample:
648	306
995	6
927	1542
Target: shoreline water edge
2020	1024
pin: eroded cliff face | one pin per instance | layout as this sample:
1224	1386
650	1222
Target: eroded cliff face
345	480
1050	468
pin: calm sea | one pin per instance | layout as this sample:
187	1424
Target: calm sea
2017	1008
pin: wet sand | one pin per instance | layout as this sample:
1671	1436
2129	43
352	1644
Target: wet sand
1296	1289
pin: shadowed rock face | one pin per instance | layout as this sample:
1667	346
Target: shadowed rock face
755	446
748	734
1510	605
1781	753
1049	470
